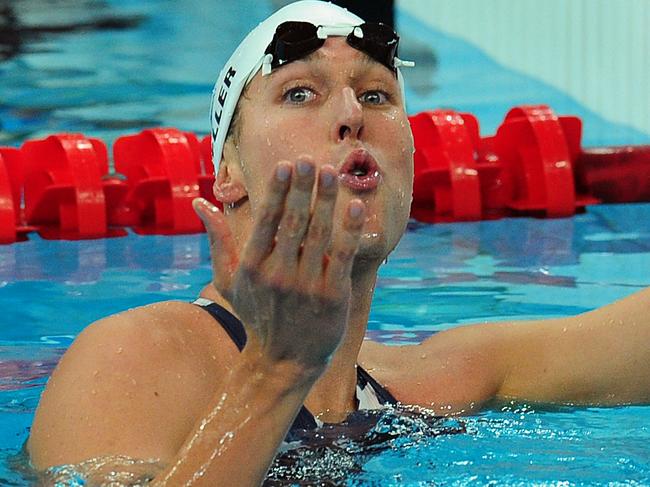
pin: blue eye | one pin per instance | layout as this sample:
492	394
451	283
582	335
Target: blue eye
374	97
298	95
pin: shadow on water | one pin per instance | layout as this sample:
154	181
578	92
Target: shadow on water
18	34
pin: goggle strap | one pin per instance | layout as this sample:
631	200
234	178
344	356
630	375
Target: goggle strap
325	31
266	64
403	64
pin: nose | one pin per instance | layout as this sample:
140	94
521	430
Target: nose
349	116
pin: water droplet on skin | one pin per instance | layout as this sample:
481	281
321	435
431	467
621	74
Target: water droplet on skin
119	350
424	355
93	391
133	381
95	373
564	329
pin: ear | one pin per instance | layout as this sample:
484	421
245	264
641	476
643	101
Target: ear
229	184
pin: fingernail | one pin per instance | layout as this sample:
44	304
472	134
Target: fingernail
327	179
356	208
283	172
304	168
201	204
196	202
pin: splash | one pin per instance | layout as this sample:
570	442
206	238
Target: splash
334	453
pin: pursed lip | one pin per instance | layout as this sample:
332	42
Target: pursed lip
360	171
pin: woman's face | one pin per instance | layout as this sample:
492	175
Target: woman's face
341	108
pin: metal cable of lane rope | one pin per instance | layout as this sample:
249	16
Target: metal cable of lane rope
61	186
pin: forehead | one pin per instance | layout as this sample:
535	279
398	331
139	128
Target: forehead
336	46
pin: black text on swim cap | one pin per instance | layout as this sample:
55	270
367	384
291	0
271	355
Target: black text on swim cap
221	99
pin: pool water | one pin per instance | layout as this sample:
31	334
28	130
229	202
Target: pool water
107	68
440	276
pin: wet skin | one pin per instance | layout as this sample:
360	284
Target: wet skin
293	259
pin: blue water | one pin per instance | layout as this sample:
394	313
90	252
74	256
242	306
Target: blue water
157	69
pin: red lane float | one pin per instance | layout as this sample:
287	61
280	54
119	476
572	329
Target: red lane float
61	187
525	168
615	174
206	177
161	168
446	185
533	149
10	195
63	190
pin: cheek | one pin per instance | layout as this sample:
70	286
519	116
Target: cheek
394	135
287	136
269	140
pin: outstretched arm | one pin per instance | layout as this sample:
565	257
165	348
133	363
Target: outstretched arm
290	287
601	357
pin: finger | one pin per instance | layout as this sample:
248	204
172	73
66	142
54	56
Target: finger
295	218
223	251
345	245
266	222
320	226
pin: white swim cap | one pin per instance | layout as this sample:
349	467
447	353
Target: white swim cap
248	58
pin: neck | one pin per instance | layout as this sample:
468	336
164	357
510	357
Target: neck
333	395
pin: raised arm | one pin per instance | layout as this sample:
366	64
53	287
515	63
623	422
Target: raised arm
295	309
291	281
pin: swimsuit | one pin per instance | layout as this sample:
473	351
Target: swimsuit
370	394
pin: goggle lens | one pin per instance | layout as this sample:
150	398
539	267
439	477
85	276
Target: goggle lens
296	40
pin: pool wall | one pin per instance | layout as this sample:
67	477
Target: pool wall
597	51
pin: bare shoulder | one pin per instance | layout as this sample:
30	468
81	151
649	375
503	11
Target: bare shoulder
131	384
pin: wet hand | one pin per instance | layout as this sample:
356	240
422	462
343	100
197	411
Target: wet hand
290	284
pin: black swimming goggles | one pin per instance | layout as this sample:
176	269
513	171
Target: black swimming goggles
295	40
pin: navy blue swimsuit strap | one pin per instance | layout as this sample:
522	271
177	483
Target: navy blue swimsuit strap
304	420
228	322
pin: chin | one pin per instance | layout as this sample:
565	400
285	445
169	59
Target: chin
373	246
377	241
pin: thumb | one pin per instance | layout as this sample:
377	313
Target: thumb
223	251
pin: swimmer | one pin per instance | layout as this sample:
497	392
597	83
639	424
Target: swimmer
315	165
